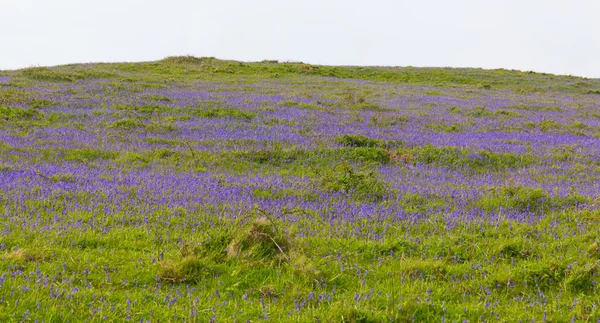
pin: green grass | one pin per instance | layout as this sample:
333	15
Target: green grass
490	263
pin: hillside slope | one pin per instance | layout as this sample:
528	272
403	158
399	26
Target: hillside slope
197	189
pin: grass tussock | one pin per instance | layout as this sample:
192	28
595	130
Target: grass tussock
527	199
364	185
262	241
20	255
12	96
360	141
260	245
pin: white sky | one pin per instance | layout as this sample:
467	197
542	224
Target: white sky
561	37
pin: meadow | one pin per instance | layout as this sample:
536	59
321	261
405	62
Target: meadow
202	190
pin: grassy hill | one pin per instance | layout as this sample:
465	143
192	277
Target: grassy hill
197	189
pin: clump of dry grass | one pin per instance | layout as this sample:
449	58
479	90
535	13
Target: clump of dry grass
188	269
262	241
23	255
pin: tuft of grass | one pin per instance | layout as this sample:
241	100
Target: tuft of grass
368	106
363	185
6	167
276	156
189	269
222	113
360	141
126	124
465	158
593	250
41	104
543	275
7	113
87	154
370	155
527	199
447	128
301	105
585	279
20	255
512	249
387	120
12	96
263	240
